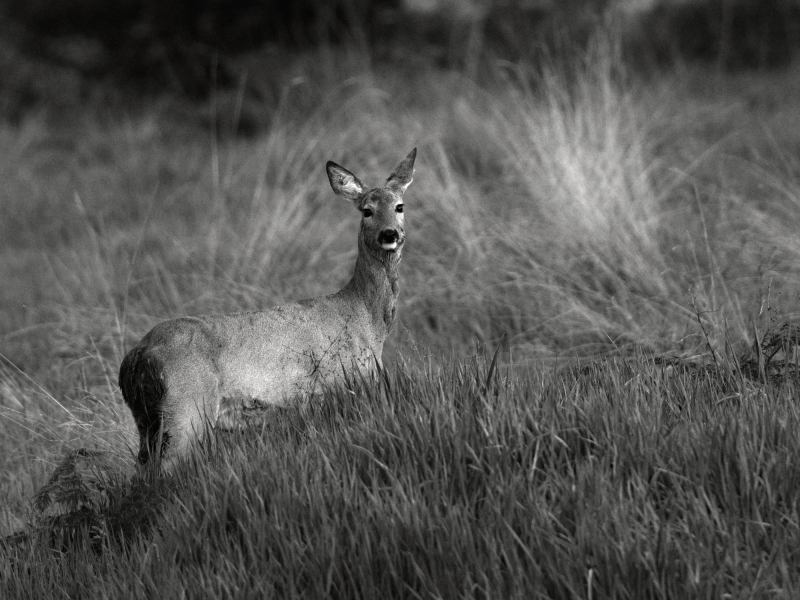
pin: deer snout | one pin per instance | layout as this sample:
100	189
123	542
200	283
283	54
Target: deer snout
388	239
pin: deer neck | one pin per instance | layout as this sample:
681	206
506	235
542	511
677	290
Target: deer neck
375	284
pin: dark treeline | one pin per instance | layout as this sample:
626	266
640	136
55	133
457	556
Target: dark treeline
178	43
159	42
734	34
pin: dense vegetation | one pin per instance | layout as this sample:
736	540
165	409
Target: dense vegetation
622	480
562	210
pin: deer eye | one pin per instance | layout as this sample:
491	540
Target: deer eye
398	208
367	212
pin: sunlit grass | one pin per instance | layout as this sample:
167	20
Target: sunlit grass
623	479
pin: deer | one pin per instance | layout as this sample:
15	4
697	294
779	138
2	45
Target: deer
191	374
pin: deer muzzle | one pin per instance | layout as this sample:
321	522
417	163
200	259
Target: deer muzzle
389	239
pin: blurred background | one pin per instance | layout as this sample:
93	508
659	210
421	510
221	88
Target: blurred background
189	133
54	52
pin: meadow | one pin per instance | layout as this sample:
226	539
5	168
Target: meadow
577	400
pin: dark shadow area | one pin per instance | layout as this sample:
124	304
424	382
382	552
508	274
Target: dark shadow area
89	503
733	34
58	52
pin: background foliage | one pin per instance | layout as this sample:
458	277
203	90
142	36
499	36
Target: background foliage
189	47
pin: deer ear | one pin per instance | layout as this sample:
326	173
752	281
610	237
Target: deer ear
343	182
402	175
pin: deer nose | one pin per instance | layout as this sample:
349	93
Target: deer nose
388	236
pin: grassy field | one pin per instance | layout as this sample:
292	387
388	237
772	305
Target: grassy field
554	217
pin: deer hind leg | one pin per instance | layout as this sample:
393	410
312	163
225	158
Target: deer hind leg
142	383
190	408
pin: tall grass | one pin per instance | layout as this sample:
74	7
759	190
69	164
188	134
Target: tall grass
624	480
553	215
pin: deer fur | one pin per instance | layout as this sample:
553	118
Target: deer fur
190	372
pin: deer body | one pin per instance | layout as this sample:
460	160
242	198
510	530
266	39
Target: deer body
191	371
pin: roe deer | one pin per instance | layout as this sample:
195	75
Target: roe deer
193	371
